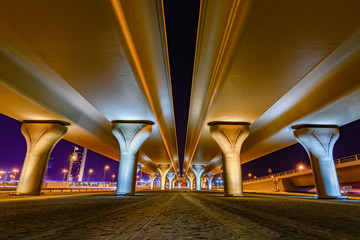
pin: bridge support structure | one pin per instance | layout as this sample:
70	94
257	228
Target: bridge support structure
152	177
209	179
171	176
130	135
198	171
319	141
163	170
41	137
230	137
191	177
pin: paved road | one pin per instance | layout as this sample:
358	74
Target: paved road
177	215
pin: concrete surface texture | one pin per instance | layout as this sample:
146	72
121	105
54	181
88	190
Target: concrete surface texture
177	215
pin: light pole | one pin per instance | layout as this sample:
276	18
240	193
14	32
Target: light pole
113	176
106	168
64	171
15	171
90	171
72	158
250	176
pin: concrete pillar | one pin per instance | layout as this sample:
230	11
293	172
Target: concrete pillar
163	170
41	137
198	170
230	137
319	141
209	179
191	177
131	135
171	176
152	177
188	183
179	185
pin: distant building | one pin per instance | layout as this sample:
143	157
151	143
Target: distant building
49	166
77	163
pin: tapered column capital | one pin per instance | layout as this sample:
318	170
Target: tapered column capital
317	139
131	134
229	135
191	176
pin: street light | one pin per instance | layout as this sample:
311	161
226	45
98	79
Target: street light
64	171
250	175
113	176
1	173
90	171
301	167
106	168
15	171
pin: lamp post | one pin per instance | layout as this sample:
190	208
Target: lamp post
15	171
90	171
64	171
250	176
113	176
72	158
106	168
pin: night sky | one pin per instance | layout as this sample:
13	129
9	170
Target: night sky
181	19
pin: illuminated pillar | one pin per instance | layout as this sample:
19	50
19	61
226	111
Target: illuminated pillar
319	141
131	135
41	137
191	177
209	178
198	170
152	177
171	176
188	183
230	137
163	170
179	185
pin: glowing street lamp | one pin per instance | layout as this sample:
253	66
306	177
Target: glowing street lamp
15	171
113	176
250	175
106	168
2	172
301	167
64	171
90	171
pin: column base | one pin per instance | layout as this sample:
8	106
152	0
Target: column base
124	194
25	194
338	197
233	195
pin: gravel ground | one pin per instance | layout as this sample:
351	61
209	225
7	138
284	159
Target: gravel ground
177	215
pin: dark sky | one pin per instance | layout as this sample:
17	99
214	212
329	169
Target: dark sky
181	19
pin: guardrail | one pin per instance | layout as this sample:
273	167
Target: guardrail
338	161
